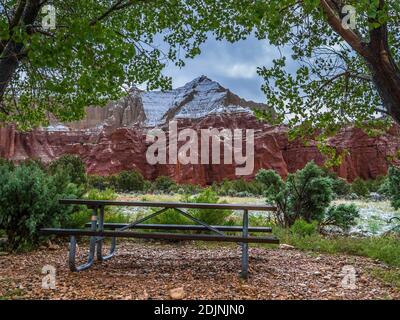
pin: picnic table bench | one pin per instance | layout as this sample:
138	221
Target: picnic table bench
98	230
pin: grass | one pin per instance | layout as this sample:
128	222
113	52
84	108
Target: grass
178	197
391	276
385	249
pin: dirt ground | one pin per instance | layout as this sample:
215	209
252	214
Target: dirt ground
142	270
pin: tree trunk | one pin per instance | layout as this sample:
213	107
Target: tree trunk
377	55
385	72
12	52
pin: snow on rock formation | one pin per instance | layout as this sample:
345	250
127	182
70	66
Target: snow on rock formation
196	99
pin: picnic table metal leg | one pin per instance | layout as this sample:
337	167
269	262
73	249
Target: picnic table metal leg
245	246
100	240
92	248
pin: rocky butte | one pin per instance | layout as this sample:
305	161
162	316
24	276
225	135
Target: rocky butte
113	138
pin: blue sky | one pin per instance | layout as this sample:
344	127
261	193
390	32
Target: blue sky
234	66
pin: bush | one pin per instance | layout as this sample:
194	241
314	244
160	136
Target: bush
124	181
340	187
188	189
384	188
29	201
129	181
239	187
209	216
305	194
98	182
394	186
77	220
303	228
170	217
374	185
360	187
165	184
343	216
95	194
72	166
6	164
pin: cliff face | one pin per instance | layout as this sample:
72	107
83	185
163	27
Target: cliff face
113	139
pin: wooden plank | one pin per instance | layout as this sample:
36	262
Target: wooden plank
167	236
190	227
98	203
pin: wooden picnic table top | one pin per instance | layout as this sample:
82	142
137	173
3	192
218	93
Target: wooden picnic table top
184	205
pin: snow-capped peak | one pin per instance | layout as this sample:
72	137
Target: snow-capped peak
196	99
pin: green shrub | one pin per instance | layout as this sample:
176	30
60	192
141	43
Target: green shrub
303	228
6	163
238	187
98	182
305	194
147	186
341	187
343	216
384	188
209	216
360	187
374	185
129	181
29	201
394	186
169	217
70	165
165	184
188	189
78	219
95	194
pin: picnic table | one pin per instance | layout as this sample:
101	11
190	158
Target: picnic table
98	230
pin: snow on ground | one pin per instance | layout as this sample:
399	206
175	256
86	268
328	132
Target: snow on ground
58	127
373	220
374	217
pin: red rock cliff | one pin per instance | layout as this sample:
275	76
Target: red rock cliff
113	139
112	150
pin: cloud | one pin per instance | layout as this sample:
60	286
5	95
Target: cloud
233	65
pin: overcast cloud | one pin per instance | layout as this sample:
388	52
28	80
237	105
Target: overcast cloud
234	66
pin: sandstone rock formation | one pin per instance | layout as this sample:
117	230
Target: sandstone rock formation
113	139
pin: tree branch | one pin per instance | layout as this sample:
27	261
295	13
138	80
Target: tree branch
331	10
18	14
119	5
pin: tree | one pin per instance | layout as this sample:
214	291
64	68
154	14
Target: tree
29	201
97	48
345	73
305	194
304	198
71	166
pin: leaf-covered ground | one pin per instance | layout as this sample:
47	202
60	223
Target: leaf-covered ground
143	270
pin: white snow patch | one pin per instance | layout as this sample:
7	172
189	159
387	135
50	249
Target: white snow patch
204	97
58	127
